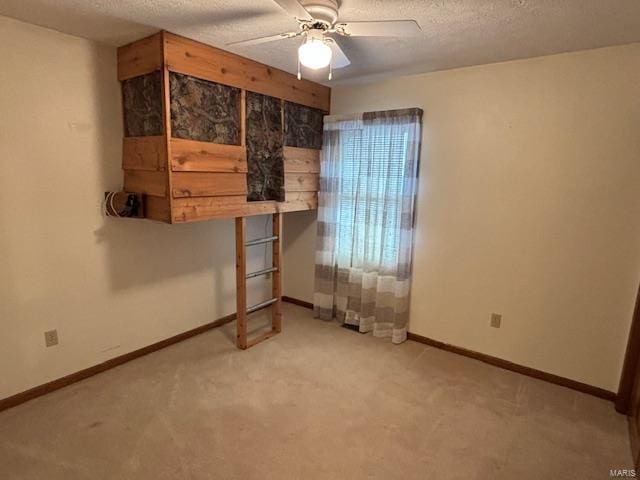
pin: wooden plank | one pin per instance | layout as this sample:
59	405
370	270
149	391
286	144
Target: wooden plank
203	61
301	160
195	156
157	208
149	183
260	338
298	205
204	184
61	382
276	281
241	284
140	57
166	119
197	209
243	118
301	182
209	208
144	153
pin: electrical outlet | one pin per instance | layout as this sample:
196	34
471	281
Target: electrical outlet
51	338
496	320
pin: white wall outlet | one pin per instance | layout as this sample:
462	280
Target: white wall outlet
51	338
496	320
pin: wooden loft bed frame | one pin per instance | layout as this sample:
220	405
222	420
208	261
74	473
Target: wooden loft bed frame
180	179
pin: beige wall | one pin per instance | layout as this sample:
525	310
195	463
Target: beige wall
529	206
299	233
108	285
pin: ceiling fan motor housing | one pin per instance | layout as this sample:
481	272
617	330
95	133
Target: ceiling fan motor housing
324	11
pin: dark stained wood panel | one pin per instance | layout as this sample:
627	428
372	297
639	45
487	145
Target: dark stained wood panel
157	208
142	104
265	163
302	182
302	126
203	110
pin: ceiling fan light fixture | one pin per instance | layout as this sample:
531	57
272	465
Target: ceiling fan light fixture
314	53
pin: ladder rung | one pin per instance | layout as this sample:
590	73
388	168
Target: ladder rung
261	272
262	304
259	241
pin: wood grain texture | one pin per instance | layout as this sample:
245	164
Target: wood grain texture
166	121
301	182
149	183
208	208
144	153
194	156
276	280
241	284
497	362
265	176
209	63
157	208
116	204
628	401
301	160
295	301
140	57
205	184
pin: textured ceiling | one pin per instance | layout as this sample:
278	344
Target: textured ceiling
456	33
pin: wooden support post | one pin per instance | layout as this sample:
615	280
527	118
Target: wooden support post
241	283
276	282
243	118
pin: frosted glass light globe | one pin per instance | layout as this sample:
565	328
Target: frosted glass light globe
314	54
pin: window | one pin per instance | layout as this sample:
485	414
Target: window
371	171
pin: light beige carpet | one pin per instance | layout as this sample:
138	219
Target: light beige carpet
317	401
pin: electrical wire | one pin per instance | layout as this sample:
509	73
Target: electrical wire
108	204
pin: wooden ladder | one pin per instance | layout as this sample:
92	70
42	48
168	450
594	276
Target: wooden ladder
241	282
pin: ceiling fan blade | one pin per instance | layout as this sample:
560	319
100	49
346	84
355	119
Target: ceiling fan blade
270	38
389	28
338	59
295	9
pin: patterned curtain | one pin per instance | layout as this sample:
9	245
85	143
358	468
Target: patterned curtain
366	205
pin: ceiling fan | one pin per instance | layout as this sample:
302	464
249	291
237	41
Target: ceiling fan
317	20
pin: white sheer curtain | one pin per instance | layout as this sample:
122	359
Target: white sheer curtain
365	220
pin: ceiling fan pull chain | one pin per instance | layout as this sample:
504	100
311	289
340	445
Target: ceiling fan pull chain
330	70
299	74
